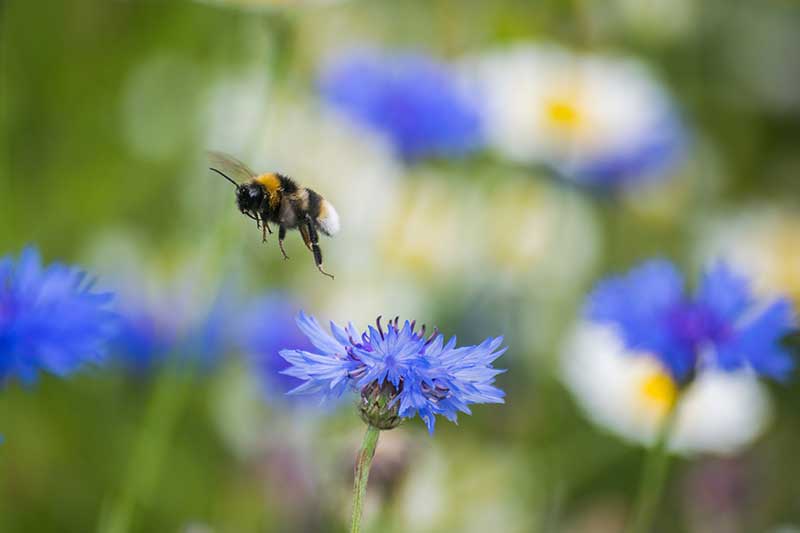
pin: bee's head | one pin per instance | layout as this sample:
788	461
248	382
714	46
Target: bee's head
249	197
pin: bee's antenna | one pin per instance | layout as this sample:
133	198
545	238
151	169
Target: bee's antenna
224	176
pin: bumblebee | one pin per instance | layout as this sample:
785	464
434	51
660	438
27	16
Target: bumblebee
275	198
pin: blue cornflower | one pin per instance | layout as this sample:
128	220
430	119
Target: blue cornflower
399	372
721	325
411	99
51	319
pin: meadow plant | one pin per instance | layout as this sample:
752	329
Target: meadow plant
720	326
399	373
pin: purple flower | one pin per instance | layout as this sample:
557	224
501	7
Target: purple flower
50	318
721	325
410	98
418	375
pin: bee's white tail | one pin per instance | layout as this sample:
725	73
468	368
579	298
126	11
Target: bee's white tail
328	219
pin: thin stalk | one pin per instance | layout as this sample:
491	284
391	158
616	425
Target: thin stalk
149	450
654	477
363	464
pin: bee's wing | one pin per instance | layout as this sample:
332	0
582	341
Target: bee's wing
230	166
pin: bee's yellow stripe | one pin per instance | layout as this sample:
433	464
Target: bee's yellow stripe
270	181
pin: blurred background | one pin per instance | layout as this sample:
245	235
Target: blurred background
490	161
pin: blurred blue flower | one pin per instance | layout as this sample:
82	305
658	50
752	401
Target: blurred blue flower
148	336
427	376
50	318
268	327
209	338
410	98
719	326
143	340
602	121
649	158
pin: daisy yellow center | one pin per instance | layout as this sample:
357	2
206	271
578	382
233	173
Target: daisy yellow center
564	113
659	391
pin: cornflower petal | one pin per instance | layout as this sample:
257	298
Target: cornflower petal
311	329
726	293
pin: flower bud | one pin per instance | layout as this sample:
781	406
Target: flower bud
379	407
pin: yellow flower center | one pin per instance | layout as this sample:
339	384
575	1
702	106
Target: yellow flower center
564	113
659	391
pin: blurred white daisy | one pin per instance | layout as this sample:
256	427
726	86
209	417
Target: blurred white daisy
439	228
601	121
526	221
428	228
762	242
629	395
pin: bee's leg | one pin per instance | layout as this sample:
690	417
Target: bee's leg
254	217
314	238
281	236
306	238
266	223
264	228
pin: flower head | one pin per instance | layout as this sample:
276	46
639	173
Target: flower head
719	326
411	99
719	412
600	121
50	318
406	373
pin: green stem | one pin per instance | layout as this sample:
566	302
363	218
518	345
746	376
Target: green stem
654	477
151	444
363	463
